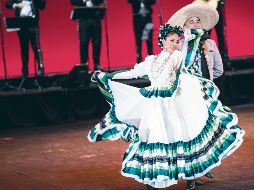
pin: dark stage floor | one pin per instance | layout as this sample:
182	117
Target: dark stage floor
59	157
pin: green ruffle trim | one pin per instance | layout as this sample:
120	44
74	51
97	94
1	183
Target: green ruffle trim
110	127
184	159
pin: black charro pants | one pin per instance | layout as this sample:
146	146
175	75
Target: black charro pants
31	35
90	29
139	24
221	33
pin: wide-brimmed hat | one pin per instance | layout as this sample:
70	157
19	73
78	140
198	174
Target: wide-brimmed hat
207	14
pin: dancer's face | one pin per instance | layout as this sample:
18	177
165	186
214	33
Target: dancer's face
171	43
193	23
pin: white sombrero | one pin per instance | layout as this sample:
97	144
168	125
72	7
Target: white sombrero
207	14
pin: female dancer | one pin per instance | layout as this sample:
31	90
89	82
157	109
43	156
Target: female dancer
177	126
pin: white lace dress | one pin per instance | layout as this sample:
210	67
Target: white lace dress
177	127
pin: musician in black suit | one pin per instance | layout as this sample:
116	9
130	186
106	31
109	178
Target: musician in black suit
90	29
29	8
143	27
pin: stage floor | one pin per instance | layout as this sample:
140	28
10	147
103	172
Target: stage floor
60	157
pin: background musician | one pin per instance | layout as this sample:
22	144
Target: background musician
90	29
26	34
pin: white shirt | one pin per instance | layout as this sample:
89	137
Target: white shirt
159	69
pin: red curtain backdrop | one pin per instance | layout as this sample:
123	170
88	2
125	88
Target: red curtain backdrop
59	37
